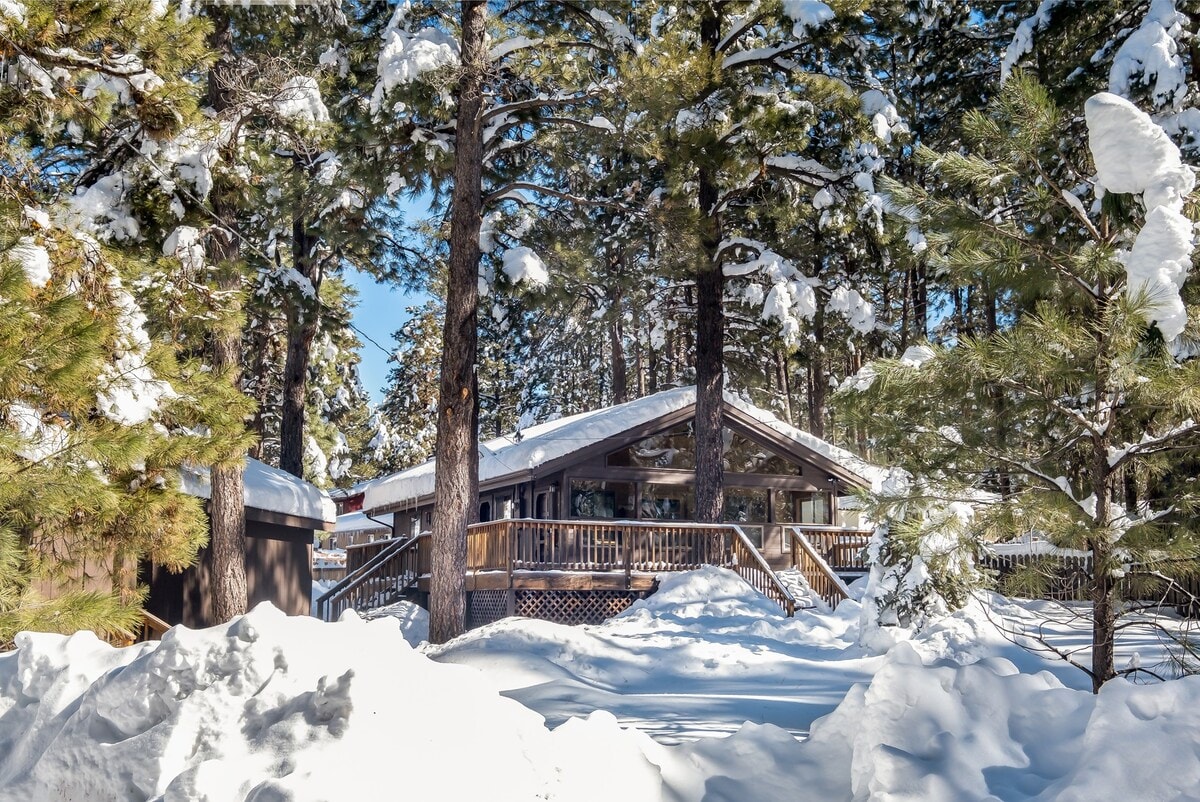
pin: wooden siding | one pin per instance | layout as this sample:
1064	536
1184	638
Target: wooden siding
278	570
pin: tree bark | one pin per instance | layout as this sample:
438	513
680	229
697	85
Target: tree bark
710	326
616	335
303	316
456	477
818	388
227	510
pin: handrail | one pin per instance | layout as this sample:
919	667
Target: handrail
374	571
817	572
769	584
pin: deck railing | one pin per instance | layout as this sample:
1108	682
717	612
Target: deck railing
749	563
379	581
512	545
817	571
842	549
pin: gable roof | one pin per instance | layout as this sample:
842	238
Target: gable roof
270	490
519	454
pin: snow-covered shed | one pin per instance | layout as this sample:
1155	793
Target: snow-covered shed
636	461
282	514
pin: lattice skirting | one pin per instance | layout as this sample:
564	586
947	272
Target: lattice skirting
574	606
486	606
561	606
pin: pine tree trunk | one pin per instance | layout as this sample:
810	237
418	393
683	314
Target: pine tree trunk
818	392
302	321
227	510
456	477
616	334
710	328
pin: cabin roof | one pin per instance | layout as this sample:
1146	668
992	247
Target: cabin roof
359	522
272	491
519	454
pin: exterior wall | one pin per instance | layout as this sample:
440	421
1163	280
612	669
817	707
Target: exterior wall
278	570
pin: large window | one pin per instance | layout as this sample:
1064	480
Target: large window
674	449
667	502
814	508
802	508
597	499
745	505
743	455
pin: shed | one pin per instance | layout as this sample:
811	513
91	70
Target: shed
283	514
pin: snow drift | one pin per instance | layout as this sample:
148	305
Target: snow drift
276	708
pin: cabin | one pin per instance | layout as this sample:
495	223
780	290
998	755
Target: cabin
578	516
283	515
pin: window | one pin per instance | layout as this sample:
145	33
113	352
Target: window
667	502
674	449
485	512
743	455
785	507
745	505
814	508
597	499
754	534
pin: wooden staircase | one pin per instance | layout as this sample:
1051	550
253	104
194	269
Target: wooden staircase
383	579
823	555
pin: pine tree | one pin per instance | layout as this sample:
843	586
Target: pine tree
481	134
1093	381
100	398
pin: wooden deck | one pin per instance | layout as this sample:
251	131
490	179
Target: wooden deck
590	568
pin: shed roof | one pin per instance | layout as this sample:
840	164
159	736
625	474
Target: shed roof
270	490
520	453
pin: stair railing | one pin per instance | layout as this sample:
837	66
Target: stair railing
376	582
815	570
753	568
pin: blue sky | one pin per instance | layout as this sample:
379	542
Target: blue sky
381	310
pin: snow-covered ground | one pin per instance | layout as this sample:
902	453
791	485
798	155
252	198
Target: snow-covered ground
706	693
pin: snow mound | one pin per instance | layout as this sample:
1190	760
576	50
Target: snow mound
271	707
414	619
986	731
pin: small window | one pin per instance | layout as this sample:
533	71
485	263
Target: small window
485	512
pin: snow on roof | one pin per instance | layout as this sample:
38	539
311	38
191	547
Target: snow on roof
359	522
268	489
538	445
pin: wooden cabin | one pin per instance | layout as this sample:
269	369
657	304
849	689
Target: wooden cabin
578	515
636	462
283	513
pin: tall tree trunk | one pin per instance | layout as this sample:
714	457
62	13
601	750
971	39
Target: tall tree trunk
227	510
456	477
781	384
710	326
303	317
920	317
818	390
616	344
